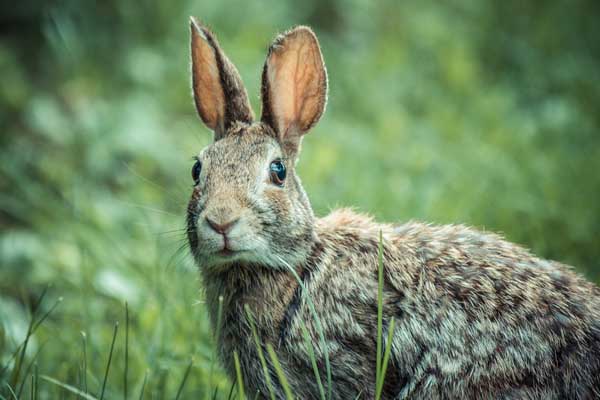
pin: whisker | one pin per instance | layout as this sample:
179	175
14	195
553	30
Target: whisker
148	208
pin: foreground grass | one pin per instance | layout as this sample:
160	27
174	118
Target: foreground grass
20	374
95	159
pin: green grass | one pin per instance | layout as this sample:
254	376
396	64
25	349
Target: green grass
20	380
436	113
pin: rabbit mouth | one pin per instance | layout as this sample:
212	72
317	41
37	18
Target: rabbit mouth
227	252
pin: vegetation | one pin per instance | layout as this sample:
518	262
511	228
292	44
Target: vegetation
483	113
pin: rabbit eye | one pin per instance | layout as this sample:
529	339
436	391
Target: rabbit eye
278	172
196	171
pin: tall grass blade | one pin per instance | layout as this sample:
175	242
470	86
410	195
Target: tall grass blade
313	359
379	309
386	359
185	376
112	346
126	369
143	385
259	350
68	388
231	391
217	334
84	347
14	379
280	374
11	391
43	318
238	374
29	366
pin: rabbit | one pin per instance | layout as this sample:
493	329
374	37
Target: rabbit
476	317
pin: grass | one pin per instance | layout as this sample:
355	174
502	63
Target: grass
95	159
20	379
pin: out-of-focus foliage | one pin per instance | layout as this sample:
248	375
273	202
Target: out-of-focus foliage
484	113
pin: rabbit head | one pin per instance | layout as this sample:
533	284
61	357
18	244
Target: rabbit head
248	204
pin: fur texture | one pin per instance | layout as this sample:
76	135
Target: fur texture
476	317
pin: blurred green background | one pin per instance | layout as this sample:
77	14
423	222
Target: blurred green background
478	112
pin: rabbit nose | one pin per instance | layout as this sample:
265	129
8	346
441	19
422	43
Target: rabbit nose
221	227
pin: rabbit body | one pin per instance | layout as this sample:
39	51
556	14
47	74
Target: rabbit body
475	316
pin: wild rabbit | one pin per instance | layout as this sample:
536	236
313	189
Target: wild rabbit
476	317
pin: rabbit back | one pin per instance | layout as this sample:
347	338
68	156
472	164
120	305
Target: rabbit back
475	316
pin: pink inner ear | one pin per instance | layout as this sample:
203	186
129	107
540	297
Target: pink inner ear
208	93
297	82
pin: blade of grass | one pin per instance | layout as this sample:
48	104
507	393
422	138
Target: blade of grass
84	375
68	387
238	374
33	360
259	350
185	376
112	346
14	379
280	373
33	326
34	382
379	308
37	381
386	356
41	320
318	324
231	390
23	347
386	359
313	359
217	334
126	369
11	391
143	385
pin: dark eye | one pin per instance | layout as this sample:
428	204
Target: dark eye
196	171
278	172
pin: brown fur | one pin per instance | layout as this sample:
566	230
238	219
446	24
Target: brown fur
476	317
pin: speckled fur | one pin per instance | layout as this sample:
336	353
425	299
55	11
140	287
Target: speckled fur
476	317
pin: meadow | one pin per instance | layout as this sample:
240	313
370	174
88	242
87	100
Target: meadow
479	113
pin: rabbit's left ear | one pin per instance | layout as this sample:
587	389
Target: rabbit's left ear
294	85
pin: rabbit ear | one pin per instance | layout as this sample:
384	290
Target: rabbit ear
219	93
294	85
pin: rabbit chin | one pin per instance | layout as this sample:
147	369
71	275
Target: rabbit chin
258	252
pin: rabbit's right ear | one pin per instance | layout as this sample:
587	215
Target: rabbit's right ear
219	94
294	85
